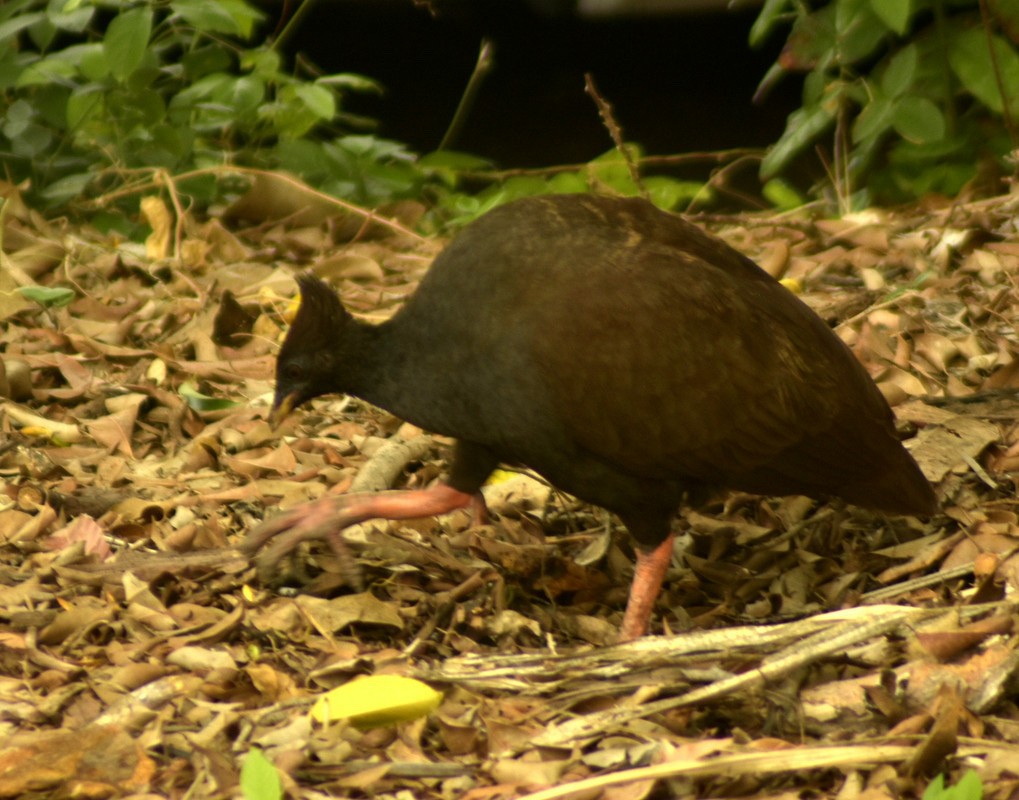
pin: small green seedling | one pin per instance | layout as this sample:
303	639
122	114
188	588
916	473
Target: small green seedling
969	787
260	780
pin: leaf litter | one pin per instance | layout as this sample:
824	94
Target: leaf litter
815	648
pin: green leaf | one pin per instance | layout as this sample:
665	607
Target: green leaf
895	14
858	31
51	105
970	59
169	145
935	789
815	86
352	81
568	183
202	188
83	105
302	156
202	402
10	70
874	119
317	99
206	15
672	194
803	126
93	64
65	188
51	69
771	14
47	296
70	16
34	141
126	40
900	72
146	108
811	42
42	33
262	61
917	119
245	15
245	94
14	8
260	780
204	61
611	170
969	787
782	195
513	188
12	27
230	17
20	114
203	89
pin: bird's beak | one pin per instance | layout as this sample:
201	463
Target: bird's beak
281	409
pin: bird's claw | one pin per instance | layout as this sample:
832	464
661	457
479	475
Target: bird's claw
277	537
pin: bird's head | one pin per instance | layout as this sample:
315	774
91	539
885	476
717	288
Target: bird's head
306	366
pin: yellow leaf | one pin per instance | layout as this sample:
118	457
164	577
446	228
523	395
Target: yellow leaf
376	700
37	431
156	371
56	432
793	285
500	476
157	246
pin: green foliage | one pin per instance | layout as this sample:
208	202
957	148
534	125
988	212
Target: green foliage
48	296
969	787
202	402
782	195
607	173
916	92
259	778
90	90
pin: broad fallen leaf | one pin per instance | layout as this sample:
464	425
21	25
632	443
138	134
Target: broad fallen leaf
377	700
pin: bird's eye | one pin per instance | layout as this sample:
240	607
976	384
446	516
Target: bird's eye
293	372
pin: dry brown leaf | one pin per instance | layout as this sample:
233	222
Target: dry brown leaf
97	762
333	615
84	530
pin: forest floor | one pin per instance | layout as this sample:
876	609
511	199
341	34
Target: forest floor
811	650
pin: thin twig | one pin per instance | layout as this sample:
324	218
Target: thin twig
448	602
1006	110
609	120
481	69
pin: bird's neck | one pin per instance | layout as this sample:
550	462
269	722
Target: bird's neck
402	366
381	367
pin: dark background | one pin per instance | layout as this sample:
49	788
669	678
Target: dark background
679	82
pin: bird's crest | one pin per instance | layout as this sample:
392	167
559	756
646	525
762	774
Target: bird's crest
319	316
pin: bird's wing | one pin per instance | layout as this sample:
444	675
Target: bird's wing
701	373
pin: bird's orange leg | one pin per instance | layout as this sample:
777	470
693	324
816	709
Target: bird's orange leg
648	574
326	518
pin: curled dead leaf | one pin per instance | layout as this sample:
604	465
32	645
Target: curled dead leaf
157	245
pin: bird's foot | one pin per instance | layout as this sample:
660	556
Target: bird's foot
269	543
326	518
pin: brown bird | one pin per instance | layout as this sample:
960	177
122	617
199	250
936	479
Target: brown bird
629	357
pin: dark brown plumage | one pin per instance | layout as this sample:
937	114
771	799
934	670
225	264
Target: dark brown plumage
621	352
